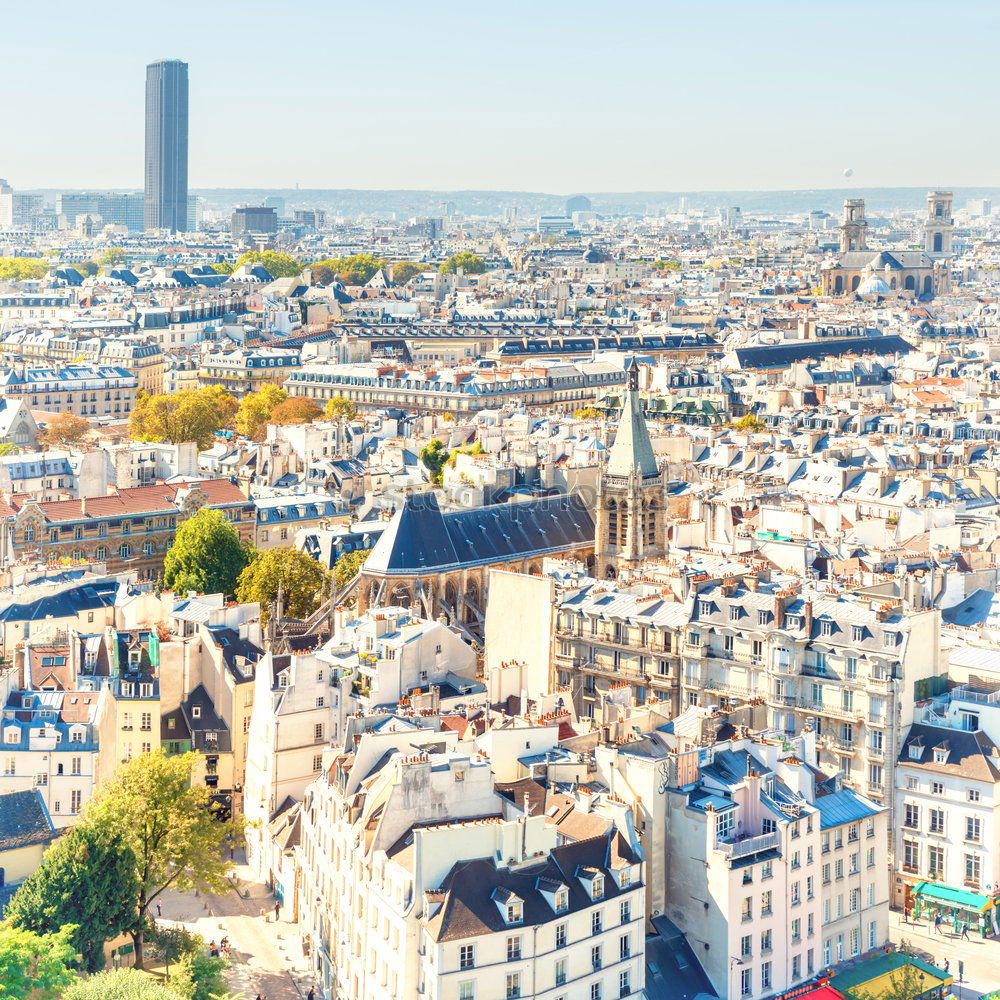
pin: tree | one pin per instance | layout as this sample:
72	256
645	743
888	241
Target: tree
348	566
296	410
340	406
124	984
206	556
587	413
255	410
9	448
87	880
278	265
903	983
190	415
169	825
469	262
23	268
222	267
403	270
749	424
355	269
112	257
64	430
433	455
35	964
468	449
303	582
87	268
197	976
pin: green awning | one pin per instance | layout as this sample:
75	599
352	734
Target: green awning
965	899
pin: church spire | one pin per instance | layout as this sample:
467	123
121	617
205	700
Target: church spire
631	450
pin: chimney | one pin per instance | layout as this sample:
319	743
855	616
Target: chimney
807	611
779	609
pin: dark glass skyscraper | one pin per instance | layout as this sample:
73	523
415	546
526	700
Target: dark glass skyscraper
167	145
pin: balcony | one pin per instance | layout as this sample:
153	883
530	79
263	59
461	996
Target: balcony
741	848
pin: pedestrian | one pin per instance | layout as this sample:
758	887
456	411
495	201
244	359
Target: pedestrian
277	910
965	931
311	995
947	964
213	949
937	922
159	910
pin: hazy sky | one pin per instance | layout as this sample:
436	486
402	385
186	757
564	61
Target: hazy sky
537	95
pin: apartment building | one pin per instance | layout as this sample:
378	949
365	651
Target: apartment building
851	667
93	391
608	635
128	530
243	371
948	793
416	881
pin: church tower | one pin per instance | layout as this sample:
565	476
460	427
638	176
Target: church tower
854	227
631	500
939	225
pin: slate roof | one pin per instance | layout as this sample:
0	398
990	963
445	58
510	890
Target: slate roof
631	449
24	820
845	806
672	968
783	355
420	538
970	755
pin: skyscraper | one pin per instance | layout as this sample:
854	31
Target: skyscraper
166	145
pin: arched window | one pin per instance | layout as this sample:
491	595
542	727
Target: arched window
612	523
855	281
125	551
623	521
838	284
927	285
651	523
910	282
101	552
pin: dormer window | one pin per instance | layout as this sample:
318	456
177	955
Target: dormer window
625	878
889	639
562	900
940	756
857	633
826	628
734	613
916	751
597	887
704	608
762	617
196	711
515	911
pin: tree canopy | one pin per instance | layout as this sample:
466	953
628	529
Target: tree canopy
189	415
469	262
296	410
206	556
23	268
112	257
348	566
64	430
303	582
278	265
35	964
124	984
255	410
587	413
749	423
168	824
355	269
434	455
403	270
86	880
340	406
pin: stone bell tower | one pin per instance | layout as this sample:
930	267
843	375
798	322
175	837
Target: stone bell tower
631	498
854	226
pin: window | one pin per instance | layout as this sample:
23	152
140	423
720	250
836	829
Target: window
747	909
318	732
595	991
796	930
765	976
911	816
935	861
796	897
321	702
624	983
514	948
513	985
854	901
467	956
560	935
317	762
74	800
625	946
562	900
871	894
972	828
467	990
596	959
973	795
724	823
796	968
872	935
560	972
626	911
125	551
972	869
937	820
515	912
598	887
765	903
765	942
746	982
911	856
937	788
596	922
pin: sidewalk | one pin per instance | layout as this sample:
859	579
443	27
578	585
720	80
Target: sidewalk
266	957
980	956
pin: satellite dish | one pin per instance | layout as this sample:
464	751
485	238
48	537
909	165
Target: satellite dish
849	172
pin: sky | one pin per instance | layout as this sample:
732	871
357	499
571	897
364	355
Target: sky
550	95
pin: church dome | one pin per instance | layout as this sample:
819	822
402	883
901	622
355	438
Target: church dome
874	285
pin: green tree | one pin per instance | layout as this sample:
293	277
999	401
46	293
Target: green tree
169	824
355	269
23	268
469	262
190	415
124	984
296	410
667	265
196	975
467	449
303	582
87	268
348	566
403	270
222	267
587	413
255	410
339	406
9	448
86	880
33	964
900	984
749	424
434	455
112	257
278	265
206	556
